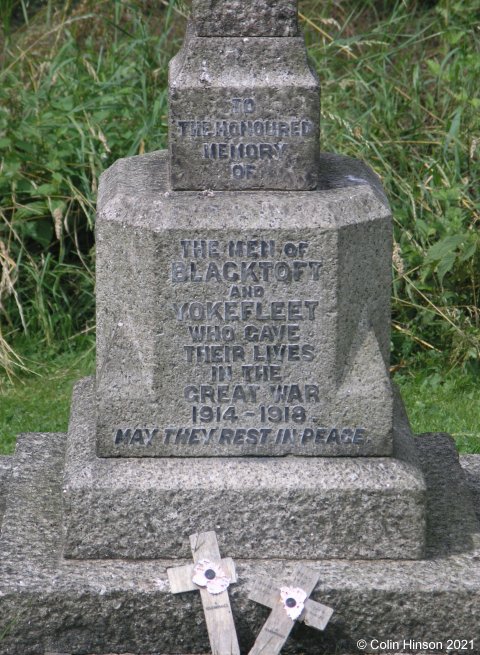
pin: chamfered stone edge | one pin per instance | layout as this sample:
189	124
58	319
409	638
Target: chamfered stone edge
138	229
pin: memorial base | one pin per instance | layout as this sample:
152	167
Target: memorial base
234	324
49	604
261	507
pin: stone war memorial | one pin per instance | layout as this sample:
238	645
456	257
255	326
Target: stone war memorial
240	476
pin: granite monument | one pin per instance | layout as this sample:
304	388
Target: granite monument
242	387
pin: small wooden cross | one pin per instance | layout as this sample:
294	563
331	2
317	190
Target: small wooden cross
288	601
208	567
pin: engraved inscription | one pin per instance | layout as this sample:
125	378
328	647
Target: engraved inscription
241	435
250	339
242	140
139	437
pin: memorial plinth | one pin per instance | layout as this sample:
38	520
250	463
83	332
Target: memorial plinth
242	387
263	325
316	504
55	605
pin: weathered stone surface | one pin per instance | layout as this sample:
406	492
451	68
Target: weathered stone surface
313	264
55	605
338	171
354	509
471	466
5	471
452	524
243	114
245	18
239	324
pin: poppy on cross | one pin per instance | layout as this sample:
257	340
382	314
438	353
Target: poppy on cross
289	602
210	575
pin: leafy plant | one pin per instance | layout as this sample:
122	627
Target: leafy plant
399	90
68	109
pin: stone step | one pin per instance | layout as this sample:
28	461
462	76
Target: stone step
471	466
5	472
146	508
49	604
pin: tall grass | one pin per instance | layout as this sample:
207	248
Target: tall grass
400	90
83	83
77	90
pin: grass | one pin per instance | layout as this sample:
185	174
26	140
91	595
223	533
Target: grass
39	400
448	402
398	91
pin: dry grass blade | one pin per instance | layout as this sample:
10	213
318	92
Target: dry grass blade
44	36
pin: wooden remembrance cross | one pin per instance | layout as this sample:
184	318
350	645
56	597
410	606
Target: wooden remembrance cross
212	575
290	602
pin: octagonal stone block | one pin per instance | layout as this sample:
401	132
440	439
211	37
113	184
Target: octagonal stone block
242	324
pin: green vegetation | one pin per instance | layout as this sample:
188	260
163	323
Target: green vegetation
84	83
40	399
78	90
399	90
443	402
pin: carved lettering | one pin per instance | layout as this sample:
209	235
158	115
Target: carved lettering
244	128
249	311
232	311
239	436
135	436
246	272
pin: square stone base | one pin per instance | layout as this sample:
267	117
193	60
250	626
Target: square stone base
49	604
290	507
